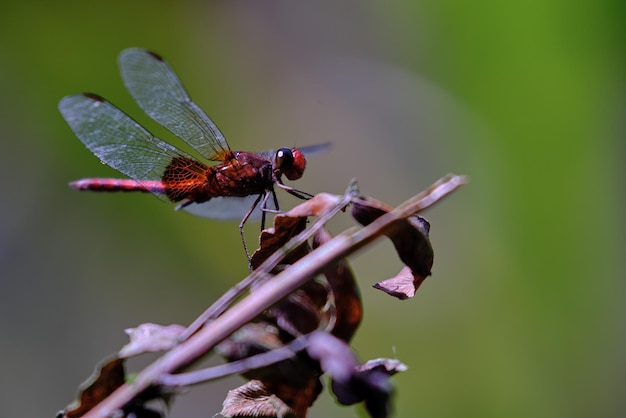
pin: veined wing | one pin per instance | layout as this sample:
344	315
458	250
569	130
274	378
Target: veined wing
116	139
158	91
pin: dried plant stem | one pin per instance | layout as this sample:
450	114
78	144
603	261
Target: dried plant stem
269	293
236	367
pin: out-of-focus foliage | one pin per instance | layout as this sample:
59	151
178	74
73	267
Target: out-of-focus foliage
524	313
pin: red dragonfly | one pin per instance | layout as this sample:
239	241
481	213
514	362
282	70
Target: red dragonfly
238	187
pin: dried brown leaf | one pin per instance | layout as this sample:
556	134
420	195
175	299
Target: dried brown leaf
303	311
150	338
403	285
410	239
345	293
253	338
255	399
315	206
272	239
386	365
351	382
107	377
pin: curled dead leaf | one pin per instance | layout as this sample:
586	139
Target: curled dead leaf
108	375
272	239
257	399
410	239
346	296
403	285
150	338
351	382
315	206
389	366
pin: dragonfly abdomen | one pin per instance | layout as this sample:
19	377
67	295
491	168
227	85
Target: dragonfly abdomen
118	185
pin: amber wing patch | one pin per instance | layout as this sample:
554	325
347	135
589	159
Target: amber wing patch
182	176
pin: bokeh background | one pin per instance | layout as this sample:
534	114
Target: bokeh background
525	313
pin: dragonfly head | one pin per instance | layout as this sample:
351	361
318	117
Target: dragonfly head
290	162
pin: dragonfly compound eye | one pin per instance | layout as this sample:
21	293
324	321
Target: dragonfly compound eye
290	162
284	159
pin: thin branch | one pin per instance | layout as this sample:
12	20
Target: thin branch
269	293
236	367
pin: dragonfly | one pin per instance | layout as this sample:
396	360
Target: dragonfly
217	183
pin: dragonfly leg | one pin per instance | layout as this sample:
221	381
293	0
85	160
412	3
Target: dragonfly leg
264	207
183	204
294	192
242	223
275	200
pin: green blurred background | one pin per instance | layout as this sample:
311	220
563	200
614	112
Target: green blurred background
524	315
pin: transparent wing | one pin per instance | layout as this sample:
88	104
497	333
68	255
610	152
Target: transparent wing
158	91
116	139
311	150
229	208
